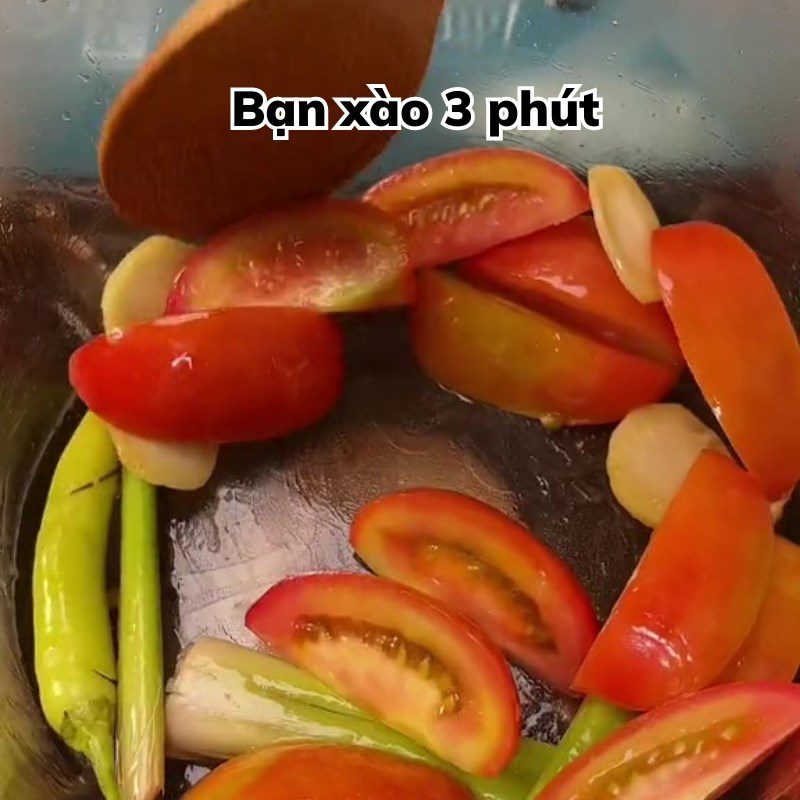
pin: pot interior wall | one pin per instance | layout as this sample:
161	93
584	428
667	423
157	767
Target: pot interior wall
700	104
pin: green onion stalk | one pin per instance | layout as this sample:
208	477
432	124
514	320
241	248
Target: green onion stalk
140	735
225	700
595	721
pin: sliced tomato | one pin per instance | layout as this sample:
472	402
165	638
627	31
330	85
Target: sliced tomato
693	749
314	772
221	376
694	596
475	559
333	255
487	348
772	649
780	778
739	343
419	667
462	203
564	273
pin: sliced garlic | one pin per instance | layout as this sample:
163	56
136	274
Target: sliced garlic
137	291
650	454
625	220
176	465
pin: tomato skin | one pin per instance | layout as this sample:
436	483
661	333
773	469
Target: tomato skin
462	203
314	772
393	535
780	778
222	376
771	651
489	349
739	343
331	255
693	748
694	597
564	273
479	734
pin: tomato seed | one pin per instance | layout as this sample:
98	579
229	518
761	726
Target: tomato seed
434	554
392	644
451	209
708	743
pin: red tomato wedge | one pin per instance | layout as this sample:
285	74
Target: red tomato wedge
475	559
772	650
333	255
695	595
739	343
313	772
221	376
462	203
564	273
489	349
417	666
693	749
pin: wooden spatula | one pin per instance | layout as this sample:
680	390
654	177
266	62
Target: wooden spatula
168	160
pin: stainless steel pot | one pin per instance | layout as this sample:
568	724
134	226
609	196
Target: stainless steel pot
701	101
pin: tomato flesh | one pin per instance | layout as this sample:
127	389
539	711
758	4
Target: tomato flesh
475	559
462	203
334	255
419	667
771	651
564	273
694	748
490	349
739	343
314	772
221	376
694	596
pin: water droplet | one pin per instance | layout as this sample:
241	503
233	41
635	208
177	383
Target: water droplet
66	116
615	23
84	77
159	11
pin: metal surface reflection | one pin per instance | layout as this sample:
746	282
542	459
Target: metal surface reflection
701	104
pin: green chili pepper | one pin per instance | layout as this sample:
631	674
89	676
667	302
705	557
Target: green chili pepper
595	721
140	746
531	760
74	648
225	700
